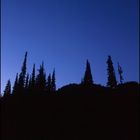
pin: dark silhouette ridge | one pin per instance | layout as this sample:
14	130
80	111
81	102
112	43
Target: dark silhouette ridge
76	111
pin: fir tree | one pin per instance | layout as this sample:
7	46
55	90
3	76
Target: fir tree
41	80
32	81
49	84
22	76
120	72
111	74
53	82
87	80
7	90
33	78
27	83
15	87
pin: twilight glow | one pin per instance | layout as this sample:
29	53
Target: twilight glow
64	33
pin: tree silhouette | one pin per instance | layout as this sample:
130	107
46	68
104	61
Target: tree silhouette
41	80
88	76
7	90
49	84
33	77
22	76
120	71
111	74
27	83
15	87
39	84
53	81
32	81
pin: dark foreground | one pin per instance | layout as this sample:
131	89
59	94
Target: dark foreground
73	113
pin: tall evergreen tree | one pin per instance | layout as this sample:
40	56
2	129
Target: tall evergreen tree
7	90
22	76
53	81
33	78
112	82
49	84
32	81
41	80
87	80
120	71
15	87
27	83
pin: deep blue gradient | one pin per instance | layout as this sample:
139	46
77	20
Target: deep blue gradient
64	33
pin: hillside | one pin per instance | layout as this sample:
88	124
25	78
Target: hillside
73	112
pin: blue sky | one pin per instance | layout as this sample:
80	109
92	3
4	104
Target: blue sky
64	33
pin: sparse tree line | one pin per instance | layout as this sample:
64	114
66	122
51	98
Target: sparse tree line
111	79
32	83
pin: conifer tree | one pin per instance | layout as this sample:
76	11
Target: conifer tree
49	84
27	83
53	81
87	80
15	87
7	90
112	82
41	80
32	81
120	72
33	78
22	76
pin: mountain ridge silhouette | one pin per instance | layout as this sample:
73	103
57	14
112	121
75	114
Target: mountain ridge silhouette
73	112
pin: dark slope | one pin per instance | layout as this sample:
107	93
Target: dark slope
75	112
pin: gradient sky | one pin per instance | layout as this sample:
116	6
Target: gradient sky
64	33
